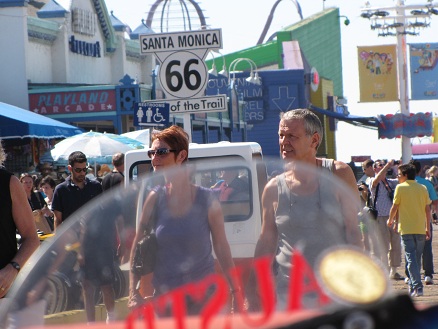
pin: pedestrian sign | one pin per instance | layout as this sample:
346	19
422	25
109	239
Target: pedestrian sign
151	114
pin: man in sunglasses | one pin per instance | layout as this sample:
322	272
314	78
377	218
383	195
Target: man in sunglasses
75	191
388	248
68	197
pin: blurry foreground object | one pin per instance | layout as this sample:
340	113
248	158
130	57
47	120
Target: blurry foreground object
352	286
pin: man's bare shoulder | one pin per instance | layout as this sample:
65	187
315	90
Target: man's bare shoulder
344	172
271	186
342	167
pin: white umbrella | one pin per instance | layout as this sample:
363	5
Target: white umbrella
143	136
98	147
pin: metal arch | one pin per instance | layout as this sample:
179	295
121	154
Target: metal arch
186	9
271	17
162	15
154	7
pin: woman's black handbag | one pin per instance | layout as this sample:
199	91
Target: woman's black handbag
372	212
145	254
146	249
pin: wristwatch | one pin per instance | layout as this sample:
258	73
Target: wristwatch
16	266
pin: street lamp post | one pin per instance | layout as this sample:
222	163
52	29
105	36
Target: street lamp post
402	28
402	77
233	97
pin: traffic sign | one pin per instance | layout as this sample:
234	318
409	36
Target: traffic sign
183	74
151	114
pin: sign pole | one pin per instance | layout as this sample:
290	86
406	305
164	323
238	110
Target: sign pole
187	125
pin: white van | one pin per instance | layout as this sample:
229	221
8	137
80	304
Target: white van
242	216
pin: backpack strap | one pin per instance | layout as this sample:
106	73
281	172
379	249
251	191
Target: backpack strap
375	197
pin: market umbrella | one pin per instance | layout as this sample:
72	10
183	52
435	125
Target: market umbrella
98	147
16	122
142	136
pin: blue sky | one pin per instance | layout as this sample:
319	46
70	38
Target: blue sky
242	22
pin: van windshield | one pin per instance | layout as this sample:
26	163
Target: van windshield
231	183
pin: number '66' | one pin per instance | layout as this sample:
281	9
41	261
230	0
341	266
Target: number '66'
173	76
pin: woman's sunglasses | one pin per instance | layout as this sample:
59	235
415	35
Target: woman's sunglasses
161	151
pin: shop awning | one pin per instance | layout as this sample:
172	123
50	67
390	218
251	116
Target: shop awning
16	122
367	122
425	151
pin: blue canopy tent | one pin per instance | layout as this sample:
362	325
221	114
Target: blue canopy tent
16	122
17	125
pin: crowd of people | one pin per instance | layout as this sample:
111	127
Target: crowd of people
406	206
51	202
299	208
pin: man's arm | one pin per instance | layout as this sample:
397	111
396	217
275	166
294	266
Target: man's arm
428	220
392	215
23	219
349	209
58	219
267	242
382	173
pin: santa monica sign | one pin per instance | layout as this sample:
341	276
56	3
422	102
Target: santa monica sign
183	74
203	39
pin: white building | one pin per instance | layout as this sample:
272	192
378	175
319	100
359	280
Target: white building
73	61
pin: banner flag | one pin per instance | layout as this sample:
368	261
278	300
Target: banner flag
378	73
424	70
413	125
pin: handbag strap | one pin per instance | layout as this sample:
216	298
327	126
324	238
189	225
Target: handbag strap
375	197
151	223
387	186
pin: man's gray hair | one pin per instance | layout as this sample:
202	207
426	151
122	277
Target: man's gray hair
312	124
2	154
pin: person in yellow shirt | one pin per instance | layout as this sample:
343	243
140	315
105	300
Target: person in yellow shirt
411	201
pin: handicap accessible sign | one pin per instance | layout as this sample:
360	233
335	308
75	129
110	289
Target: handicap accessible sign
151	114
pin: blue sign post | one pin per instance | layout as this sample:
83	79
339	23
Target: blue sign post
151	114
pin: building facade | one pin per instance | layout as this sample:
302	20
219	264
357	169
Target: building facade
73	61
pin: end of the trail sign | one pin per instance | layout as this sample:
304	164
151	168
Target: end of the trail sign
151	114
205	104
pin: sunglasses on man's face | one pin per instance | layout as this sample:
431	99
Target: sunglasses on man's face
78	170
161	151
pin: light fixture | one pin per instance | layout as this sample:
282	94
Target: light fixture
346	21
224	71
253	78
213	70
